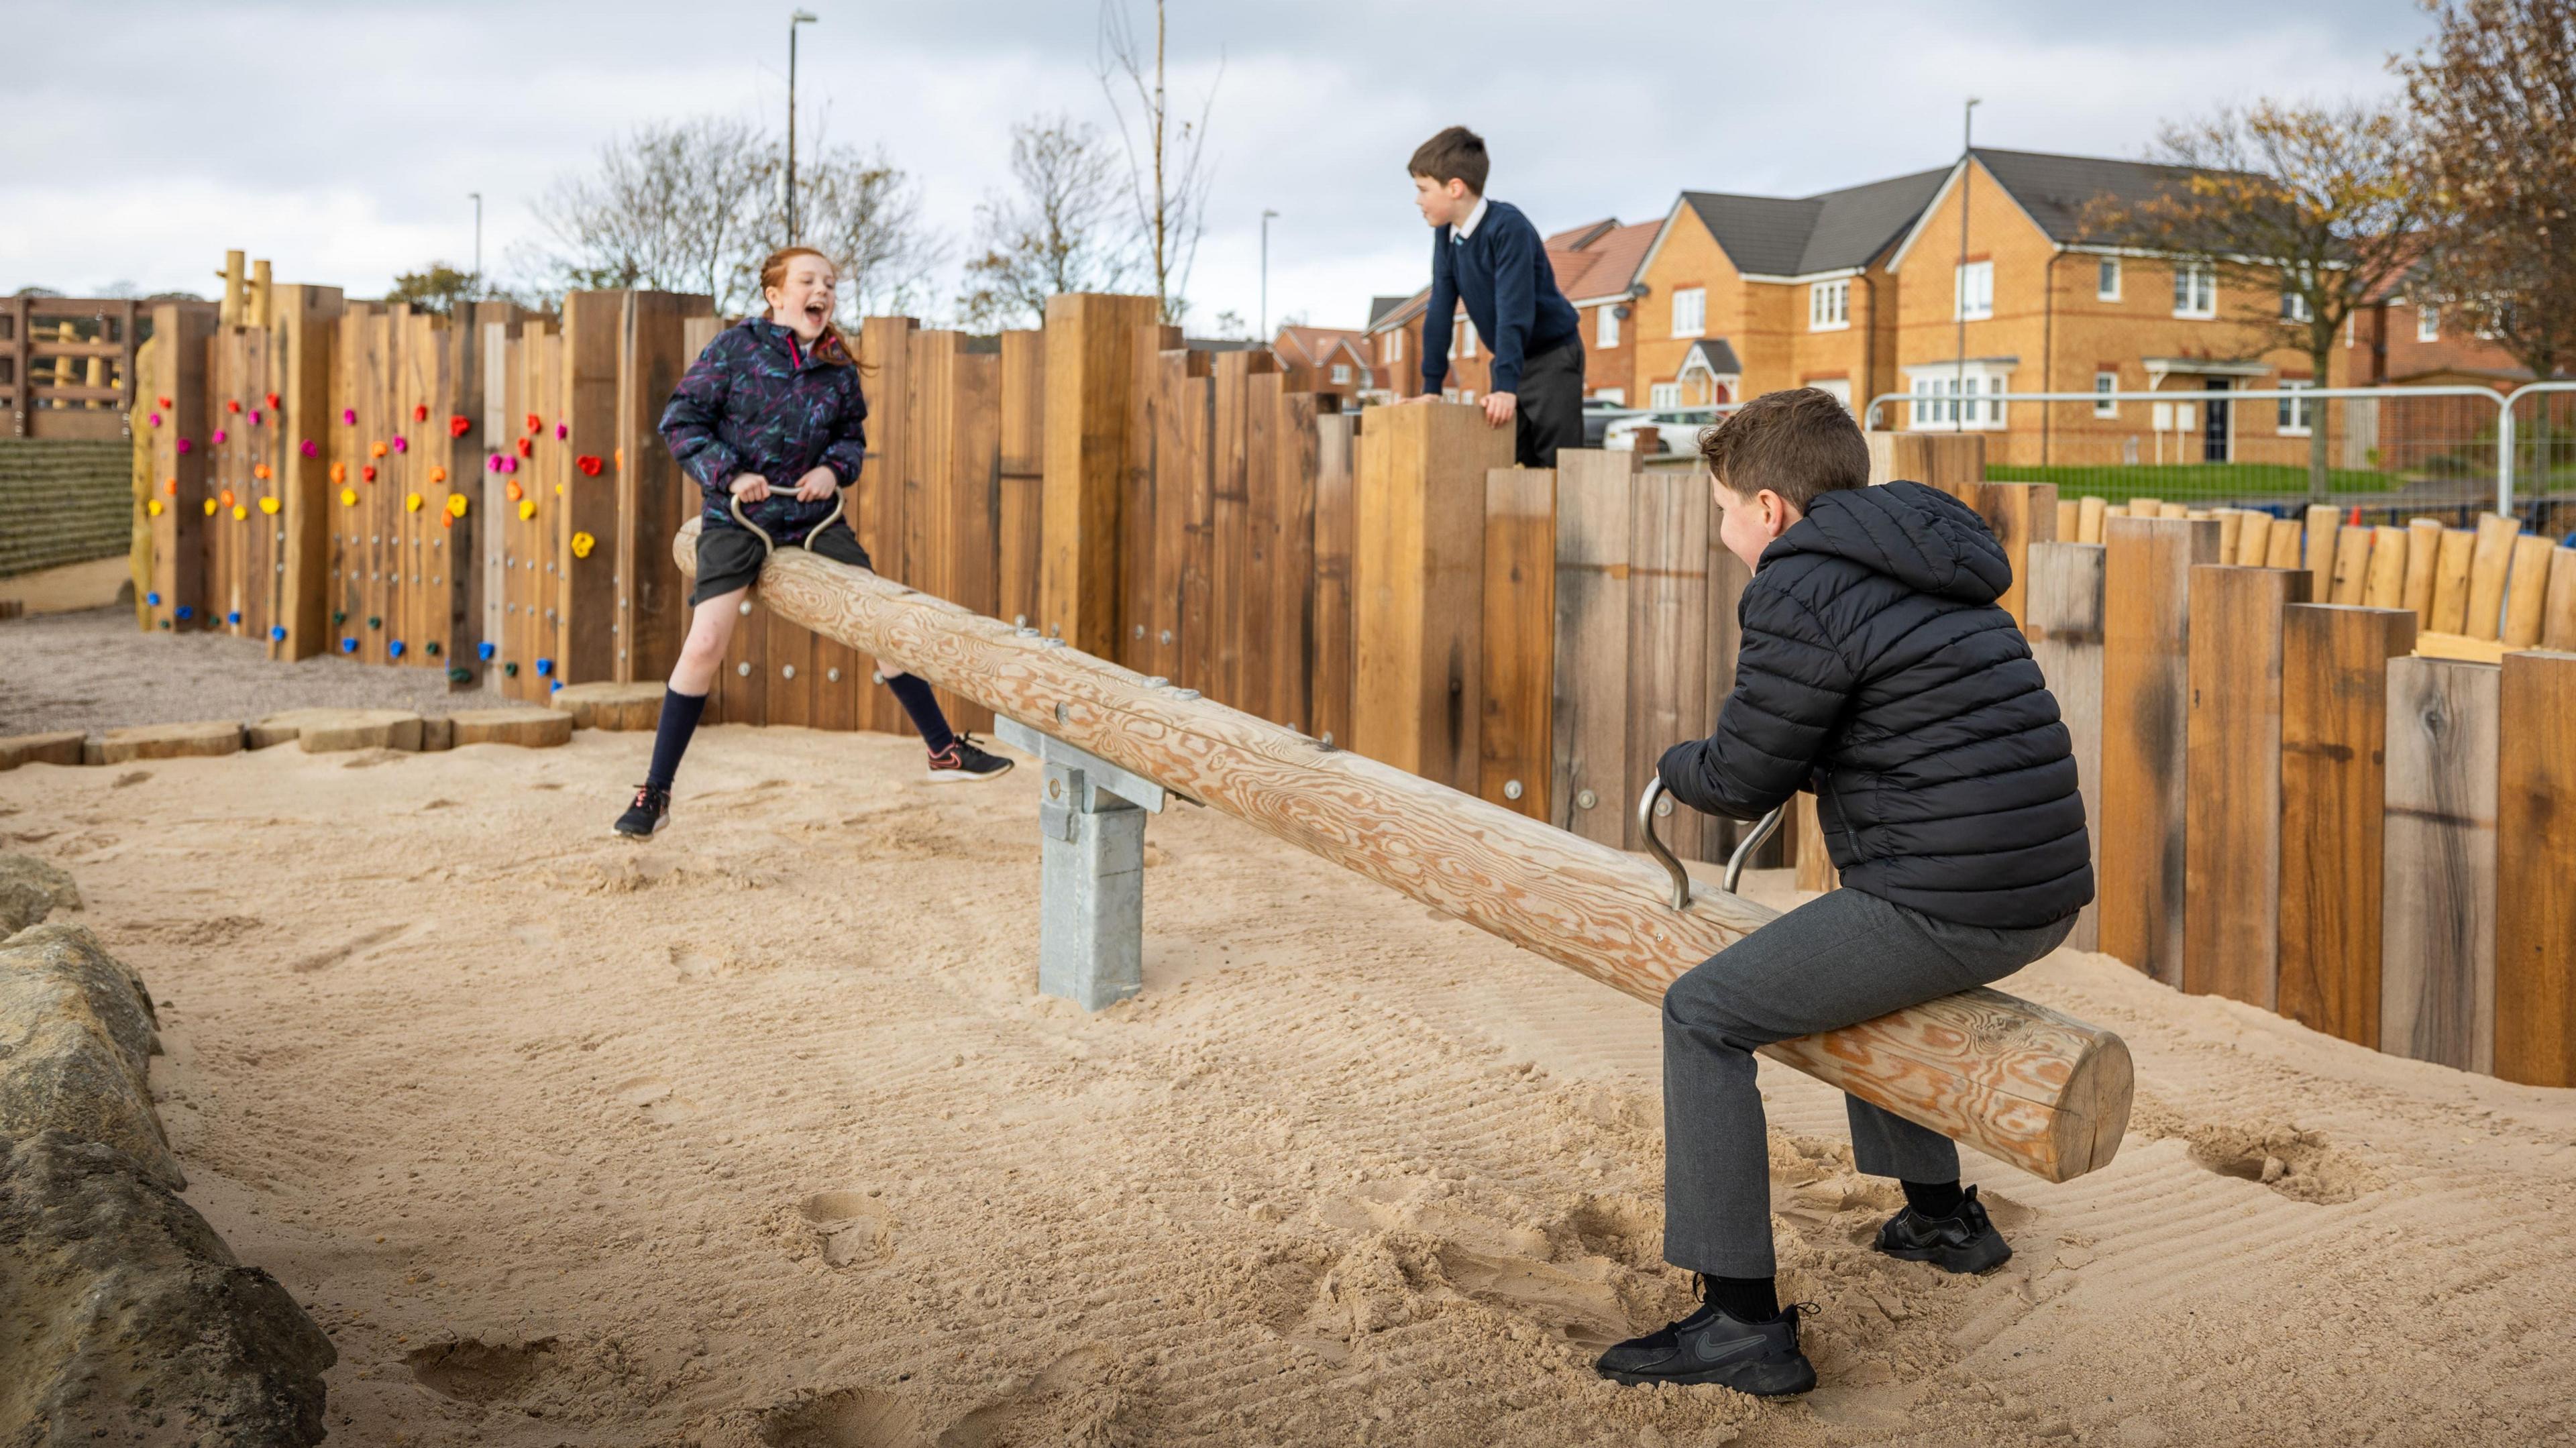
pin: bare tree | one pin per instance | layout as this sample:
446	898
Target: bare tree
1054	236
861	210
2495	92
1168	175
2307	212
669	206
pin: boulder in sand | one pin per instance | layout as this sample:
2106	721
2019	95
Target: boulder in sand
128	1320
611	706
532	728
77	1034
30	890
336	731
202	739
63	746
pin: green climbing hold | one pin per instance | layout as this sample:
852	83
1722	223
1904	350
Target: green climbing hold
374	622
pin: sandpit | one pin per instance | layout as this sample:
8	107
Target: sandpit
757	1134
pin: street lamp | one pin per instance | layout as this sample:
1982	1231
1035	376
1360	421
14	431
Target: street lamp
794	19
478	238
1959	404
1266	214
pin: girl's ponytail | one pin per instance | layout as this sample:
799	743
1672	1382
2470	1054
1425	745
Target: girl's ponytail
830	349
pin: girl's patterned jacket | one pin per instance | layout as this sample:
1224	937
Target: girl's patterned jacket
757	401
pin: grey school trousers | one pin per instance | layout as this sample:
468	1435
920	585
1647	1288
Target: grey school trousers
1837	960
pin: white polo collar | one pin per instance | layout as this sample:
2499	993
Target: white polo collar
1467	228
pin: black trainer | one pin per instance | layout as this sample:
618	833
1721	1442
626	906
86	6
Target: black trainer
1965	1241
646	816
964	761
1761	1358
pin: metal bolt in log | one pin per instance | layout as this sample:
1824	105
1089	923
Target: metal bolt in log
2018	1081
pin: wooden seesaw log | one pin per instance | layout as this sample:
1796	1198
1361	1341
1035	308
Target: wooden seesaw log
2018	1081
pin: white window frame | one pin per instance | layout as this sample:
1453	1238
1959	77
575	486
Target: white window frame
2195	291
1829	306
1393	349
1664	396
2428	322
1690	309
2106	280
2351	325
1605	326
1465	332
2106	382
1938	402
2295	417
2294	307
1837	388
1341	374
1972	291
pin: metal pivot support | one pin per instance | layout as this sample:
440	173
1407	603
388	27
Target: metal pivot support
1091	881
1744	848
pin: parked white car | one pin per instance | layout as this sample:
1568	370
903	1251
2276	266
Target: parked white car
1671	431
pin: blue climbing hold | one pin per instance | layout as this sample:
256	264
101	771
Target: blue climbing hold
545	666
556	686
395	648
276	634
348	646
483	651
153	598
233	618
186	613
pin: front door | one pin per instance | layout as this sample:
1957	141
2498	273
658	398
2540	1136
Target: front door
2213	433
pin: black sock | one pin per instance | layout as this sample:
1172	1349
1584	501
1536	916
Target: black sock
671	737
914	695
1933	1199
1746	1299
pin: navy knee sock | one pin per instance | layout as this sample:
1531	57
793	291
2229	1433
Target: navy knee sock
917	700
671	737
1933	1199
1746	1299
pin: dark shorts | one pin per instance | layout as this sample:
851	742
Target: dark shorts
1549	410
729	557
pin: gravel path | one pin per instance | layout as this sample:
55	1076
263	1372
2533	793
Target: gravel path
94	670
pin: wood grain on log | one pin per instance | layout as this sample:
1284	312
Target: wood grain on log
2022	1083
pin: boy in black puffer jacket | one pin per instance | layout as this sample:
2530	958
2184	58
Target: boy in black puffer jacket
1876	670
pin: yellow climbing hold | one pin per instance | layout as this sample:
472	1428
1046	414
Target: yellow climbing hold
240	512
268	505
412	503
153	507
582	543
456	505
527	508
348	497
210	507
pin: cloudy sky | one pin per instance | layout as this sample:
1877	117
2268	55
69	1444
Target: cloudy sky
341	138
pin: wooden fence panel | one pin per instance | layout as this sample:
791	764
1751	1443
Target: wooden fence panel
1183	412
2020	514
2065	627
2334	786
1727	577
308	333
2232	778
1023	456
2535	837
2146	631
2438	932
1257	585
1291	605
1667	668
1420	584
1588	734
653	495
1090	367
1335	522
1519	642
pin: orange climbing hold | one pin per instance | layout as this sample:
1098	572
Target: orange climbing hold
375	449
339	472
438	475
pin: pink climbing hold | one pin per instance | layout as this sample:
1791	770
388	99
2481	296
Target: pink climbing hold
220	435
492	464
186	446
562	432
401	443
155	419
309	450
254	417
349	416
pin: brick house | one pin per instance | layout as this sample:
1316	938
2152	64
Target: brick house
1741	295
1595	266
2030	303
1324	359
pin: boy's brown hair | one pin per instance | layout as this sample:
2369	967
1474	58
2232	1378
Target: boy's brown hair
1456	154
1800	443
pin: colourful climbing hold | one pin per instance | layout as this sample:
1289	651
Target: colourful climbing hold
153	507
589	465
233	618
456	505
510	669
430	648
545	666
186	612
420	412
240	512
349	417
368	473
232	404
260	471
153	598
307	448
339	617
438	475
562	432
459	674
276	633
526	448
186	446
556	687
402	444
582	543
170	486
510	465
483	651
394	649
165	402
254	417
272	399
515	491
536	424
375	449
412	503
527	509
375	622
222	437
459	425
227	496
447	520
339	472
154	419
348	646
210	507
348	497
268	505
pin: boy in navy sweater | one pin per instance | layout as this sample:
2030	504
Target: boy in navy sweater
1488	256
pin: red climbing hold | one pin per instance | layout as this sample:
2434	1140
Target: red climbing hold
233	405
459	425
527	449
589	465
368	472
536	424
420	412
272	399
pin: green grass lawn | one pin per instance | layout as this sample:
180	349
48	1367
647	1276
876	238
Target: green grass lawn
2117	483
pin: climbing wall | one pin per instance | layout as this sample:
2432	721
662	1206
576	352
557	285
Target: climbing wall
246	453
523	548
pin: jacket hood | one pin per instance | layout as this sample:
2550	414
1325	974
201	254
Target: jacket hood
1920	536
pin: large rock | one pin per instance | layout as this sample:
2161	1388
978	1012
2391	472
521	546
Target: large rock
532	728
125	1319
201	739
611	706
30	890
77	1035
63	746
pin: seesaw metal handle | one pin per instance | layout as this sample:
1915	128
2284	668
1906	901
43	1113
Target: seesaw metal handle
1681	878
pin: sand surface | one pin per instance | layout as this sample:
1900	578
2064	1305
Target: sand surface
757	1134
